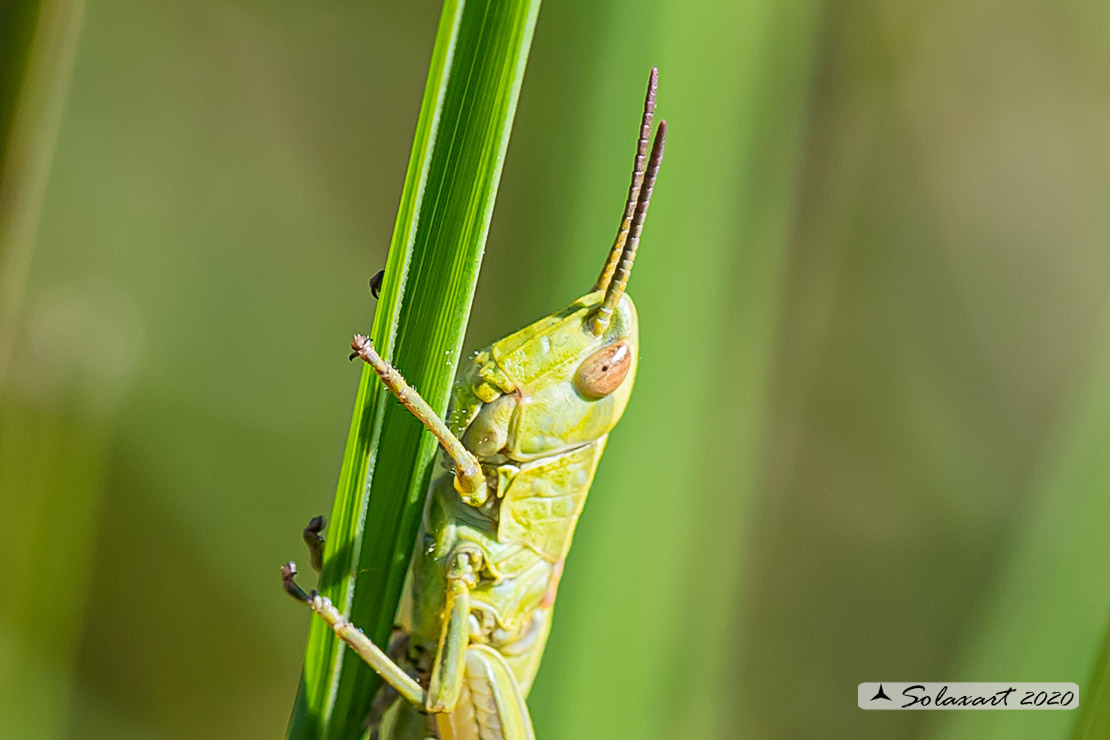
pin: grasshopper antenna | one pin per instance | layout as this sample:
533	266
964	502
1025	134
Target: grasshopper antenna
616	286
633	187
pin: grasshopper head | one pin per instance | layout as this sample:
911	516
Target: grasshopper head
551	386
564	381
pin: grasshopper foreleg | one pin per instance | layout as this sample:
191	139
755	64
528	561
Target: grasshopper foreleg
470	481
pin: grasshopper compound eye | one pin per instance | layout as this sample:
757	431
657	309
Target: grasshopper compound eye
603	372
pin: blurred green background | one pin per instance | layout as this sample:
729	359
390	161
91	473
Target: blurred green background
868	437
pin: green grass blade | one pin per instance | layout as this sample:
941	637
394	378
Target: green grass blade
469	102
1044	621
1093	722
52	509
37	45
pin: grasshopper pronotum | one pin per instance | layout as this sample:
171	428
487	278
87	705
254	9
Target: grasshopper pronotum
530	417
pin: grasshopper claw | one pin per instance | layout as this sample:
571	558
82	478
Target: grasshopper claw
288	573
358	345
315	541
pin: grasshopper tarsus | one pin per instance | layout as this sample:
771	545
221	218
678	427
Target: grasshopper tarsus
376	283
315	541
288	582
358	345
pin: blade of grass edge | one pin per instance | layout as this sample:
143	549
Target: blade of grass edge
462	133
34	114
1093	722
49	553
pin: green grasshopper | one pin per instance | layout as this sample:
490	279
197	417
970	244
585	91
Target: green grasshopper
528	423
